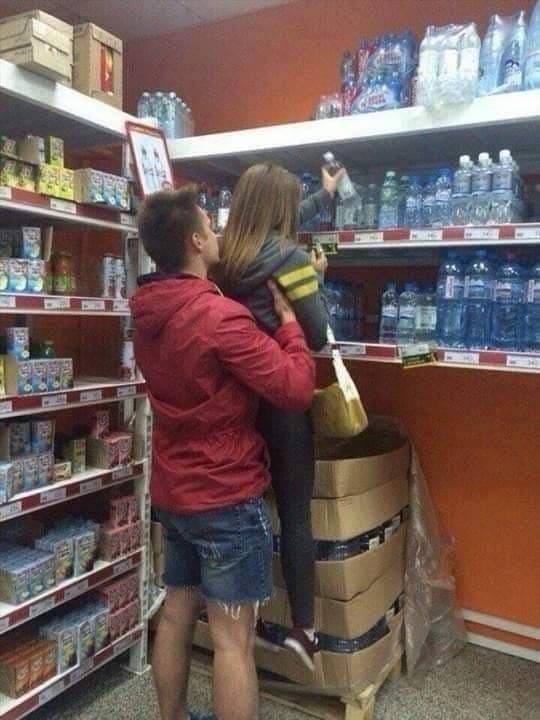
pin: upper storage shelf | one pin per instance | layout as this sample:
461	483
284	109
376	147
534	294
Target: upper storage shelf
29	101
394	138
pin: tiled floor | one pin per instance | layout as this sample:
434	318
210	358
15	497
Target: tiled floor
477	685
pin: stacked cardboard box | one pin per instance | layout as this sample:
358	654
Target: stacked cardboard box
39	42
361	488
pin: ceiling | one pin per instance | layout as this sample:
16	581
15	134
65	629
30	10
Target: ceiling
131	19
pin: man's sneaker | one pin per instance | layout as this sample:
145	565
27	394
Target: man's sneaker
265	638
299	642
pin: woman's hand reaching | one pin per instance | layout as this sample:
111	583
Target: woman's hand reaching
282	306
330	182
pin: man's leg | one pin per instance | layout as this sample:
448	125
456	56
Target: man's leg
171	655
236	692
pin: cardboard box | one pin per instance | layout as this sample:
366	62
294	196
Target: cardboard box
97	64
338	673
53	22
347	517
377	456
20	32
344	579
41	58
349	619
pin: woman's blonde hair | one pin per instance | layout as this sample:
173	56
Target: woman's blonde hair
266	199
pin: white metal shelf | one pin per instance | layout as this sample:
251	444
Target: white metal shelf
36	304
79	119
393	138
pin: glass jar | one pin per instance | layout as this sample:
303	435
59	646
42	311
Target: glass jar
63	274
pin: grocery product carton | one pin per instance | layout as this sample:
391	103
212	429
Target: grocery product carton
41	58
346	517
43	17
375	457
20	32
97	68
349	619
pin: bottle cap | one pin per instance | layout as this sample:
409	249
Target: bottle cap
505	154
483	157
329	157
464	159
390	173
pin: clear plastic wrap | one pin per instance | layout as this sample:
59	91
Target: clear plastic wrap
434	632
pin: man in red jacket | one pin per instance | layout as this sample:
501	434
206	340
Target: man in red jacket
205	363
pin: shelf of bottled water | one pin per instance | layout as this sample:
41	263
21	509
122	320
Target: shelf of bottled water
169	111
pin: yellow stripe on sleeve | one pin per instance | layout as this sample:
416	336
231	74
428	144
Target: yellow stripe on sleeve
294	276
310	287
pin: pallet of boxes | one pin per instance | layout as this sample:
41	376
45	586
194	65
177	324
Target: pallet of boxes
359	518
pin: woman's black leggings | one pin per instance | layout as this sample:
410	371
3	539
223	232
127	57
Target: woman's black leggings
289	438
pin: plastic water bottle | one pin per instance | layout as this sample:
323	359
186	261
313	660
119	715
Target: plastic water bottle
461	192
428	203
531	319
144	109
371	206
469	62
413	204
531	75
448	88
481	184
224	207
407	314
450	302
189	121
157	107
428	68
513	56
179	125
403	192
389	314
478	301
502	197
345	187
169	115
508	297
426	315
443	198
490	55
389	202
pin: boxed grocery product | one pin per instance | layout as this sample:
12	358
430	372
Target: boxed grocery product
43	17
118	511
41	58
122	193
8	147
17	275
26	242
18	476
37	276
8	172
133	508
30	469
85	552
375	457
54	151
101	627
6	243
15	439
18	376
349	619
40	373
42	432
4	274
97	64
18	342
32	149
45	469
20	32
66	373
63	550
74	450
24	573
62	471
88	186
66	184
102	452
26	176
101	423
54	375
110	546
65	637
134	534
7	481
48	180
14	673
124	441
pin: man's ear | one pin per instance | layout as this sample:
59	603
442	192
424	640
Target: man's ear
196	241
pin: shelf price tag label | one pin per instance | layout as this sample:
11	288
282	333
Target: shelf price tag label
122	472
93	305
50	496
464	358
76	590
326	241
427	235
126	391
58	303
91	395
5	193
8	302
50	401
6	407
368	237
7	511
4	625
481	233
121	568
63	206
527	233
91	486
416	355
122	645
50	693
121	306
352	350
42	607
529	362
127	219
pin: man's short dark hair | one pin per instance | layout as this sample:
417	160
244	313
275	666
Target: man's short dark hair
166	220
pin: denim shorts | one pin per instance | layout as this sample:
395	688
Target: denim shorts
226	553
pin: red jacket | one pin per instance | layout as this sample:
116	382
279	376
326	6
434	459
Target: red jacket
205	362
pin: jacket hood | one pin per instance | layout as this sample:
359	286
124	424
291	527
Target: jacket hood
263	267
159	297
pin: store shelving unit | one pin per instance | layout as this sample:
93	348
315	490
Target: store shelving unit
405	138
31	104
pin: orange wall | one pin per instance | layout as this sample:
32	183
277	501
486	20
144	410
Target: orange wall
476	432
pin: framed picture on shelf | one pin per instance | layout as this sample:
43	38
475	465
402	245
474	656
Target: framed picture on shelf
151	158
